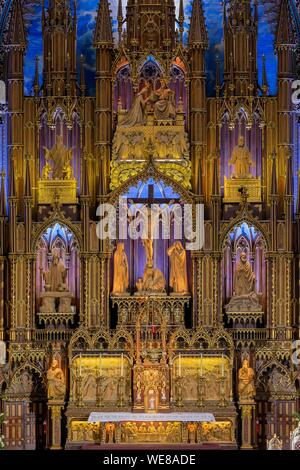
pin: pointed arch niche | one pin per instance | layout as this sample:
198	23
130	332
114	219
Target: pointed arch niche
58	238
244	238
150	71
160	193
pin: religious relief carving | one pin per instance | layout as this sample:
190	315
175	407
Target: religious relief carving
151	432
246	388
57	175
244	297
216	432
153	281
121	274
58	162
178	271
56	385
241	160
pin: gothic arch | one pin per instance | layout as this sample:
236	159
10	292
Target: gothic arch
150	172
55	218
83	335
238	221
177	335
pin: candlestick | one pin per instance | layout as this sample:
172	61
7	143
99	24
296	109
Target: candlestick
201	365
122	365
100	368
179	366
223	372
80	367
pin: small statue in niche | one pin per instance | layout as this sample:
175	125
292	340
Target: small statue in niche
164	102
56	386
178	271
121	273
241	160
137	115
246	386
244	297
55	278
244	279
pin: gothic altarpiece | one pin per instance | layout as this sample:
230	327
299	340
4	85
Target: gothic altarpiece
145	326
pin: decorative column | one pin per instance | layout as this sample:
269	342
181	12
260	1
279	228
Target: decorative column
55	409
247	411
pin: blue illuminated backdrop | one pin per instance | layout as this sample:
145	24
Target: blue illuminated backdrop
214	19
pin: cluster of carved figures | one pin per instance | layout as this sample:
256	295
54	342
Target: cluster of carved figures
151	432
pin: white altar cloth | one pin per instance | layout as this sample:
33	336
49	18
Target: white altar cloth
115	417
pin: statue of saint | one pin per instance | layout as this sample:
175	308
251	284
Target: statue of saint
56	382
46	171
241	160
178	271
244	279
121	274
61	157
55	277
164	102
153	280
246	386
137	116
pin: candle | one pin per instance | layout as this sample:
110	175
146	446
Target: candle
201	365
100	364
179	365
223	365
122	365
80	370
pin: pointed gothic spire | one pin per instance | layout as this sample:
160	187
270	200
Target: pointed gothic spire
2	196
36	83
198	33
225	23
265	85
17	35
103	32
120	20
286	35
181	21
218	78
28	190
274	175
82	76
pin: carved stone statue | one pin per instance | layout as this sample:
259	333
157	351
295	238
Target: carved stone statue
178	271
46	172
244	297
164	103
137	116
121	275
246	386
153	280
60	158
244	279
55	278
56	382
241	160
